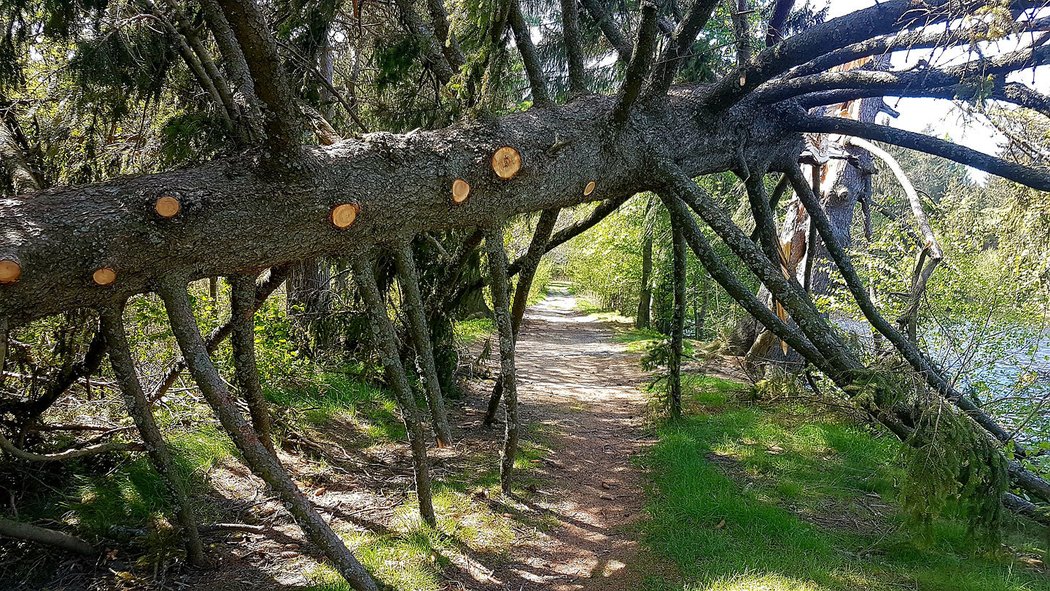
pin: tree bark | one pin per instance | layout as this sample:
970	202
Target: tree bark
674	365
530	262
49	537
112	324
255	234
386	338
645	292
508	376
242	338
259	459
408	278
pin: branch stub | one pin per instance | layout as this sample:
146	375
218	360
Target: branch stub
167	207
10	271
588	189
343	215
460	191
104	276
506	162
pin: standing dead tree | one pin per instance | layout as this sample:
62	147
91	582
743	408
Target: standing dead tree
280	201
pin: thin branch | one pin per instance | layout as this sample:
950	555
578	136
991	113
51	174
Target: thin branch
283	122
570	19
681	44
641	60
259	459
530	262
497	258
49	537
433	48
112	326
931	253
408	279
263	290
71	454
608	26
531	61
924	143
386	339
246	370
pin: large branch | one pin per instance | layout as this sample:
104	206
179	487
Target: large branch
882	19
974	72
234	221
915	40
282	122
1014	93
608	26
1036	179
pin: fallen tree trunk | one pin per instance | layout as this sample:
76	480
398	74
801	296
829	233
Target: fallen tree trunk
60	238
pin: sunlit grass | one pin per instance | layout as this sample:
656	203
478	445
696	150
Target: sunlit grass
779	498
472	331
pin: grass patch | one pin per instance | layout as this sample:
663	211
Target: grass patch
475	522
340	396
471	332
778	498
133	494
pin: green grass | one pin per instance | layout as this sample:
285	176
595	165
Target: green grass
473	331
133	494
778	498
340	396
475	522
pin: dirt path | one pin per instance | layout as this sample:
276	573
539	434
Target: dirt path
582	387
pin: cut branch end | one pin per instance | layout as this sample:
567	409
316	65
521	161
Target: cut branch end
506	162
167	207
344	215
10	271
460	191
104	276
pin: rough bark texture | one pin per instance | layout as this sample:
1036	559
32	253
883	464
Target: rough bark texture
386	337
142	414
507	375
246	371
259	459
674	365
530	262
401	187
408	279
49	537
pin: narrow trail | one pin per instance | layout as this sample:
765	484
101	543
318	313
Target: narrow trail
581	387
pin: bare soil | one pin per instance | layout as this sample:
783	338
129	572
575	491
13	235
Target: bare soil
583	387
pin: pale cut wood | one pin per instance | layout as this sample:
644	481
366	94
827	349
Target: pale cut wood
460	191
10	271
589	188
104	276
506	162
167	207
344	215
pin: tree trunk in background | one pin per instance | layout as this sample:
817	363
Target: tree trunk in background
645	297
674	365
309	304
840	184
